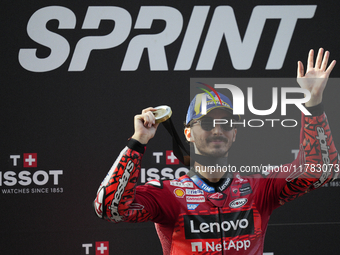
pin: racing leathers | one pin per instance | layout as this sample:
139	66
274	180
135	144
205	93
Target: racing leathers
194	216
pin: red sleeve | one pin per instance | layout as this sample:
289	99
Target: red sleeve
321	159
116	194
317	163
120	199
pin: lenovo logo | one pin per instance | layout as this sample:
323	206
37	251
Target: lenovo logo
209	226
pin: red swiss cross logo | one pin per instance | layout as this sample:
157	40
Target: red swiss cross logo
102	248
171	159
30	160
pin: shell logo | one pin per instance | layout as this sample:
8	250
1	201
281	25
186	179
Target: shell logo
179	192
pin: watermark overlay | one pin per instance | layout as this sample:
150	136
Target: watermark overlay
267	169
256	122
238	107
258	102
265	109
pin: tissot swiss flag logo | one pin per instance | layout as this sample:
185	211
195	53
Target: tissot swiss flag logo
102	248
30	159
171	159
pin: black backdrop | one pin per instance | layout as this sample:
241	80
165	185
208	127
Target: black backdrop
74	123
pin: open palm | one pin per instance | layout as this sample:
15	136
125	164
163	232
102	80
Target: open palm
316	76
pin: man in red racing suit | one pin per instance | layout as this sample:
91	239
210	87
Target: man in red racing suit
201	214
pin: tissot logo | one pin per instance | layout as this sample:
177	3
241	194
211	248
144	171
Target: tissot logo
28	160
222	27
101	248
211	226
30	179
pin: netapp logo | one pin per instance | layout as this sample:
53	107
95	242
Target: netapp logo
223	26
209	226
225	246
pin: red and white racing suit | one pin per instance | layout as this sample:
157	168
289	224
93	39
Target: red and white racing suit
193	216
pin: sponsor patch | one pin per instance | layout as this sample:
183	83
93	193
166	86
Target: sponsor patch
239	179
235	192
240	190
237	203
194	192
201	184
181	184
225	184
245	189
217	196
195	199
179	192
192	207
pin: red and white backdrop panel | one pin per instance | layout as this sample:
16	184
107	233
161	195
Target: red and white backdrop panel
73	75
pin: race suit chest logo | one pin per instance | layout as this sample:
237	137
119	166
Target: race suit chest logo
241	190
181	184
237	203
217	225
179	193
194	192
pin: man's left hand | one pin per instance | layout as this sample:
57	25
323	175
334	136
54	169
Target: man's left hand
315	78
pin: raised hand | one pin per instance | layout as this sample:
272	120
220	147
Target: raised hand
316	76
145	126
